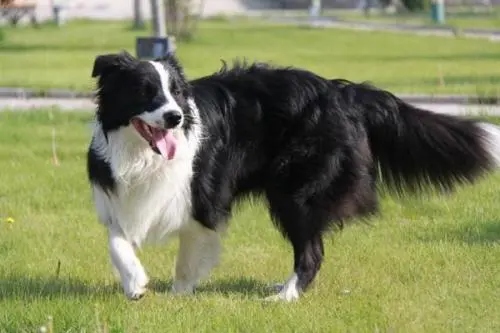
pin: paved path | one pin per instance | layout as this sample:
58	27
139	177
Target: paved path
63	94
330	22
68	104
85	104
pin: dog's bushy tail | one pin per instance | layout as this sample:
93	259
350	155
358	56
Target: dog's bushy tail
416	147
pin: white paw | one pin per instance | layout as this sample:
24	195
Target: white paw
136	294
286	292
284	295
136	288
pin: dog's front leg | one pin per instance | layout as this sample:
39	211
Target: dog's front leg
132	274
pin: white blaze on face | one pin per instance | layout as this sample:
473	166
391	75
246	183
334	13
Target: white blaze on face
151	123
155	117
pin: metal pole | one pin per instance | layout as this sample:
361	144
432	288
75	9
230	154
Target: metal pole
158	19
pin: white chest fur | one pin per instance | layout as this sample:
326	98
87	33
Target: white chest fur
152	197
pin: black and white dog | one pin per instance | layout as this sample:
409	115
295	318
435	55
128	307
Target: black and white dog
170	157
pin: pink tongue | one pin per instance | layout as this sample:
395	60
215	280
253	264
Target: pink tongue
165	142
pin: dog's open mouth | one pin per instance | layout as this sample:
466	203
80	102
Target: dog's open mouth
161	140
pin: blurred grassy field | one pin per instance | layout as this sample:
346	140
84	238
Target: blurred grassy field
52	57
427	264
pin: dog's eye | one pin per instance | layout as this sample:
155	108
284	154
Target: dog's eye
176	90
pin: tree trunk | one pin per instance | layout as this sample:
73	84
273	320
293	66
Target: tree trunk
138	17
395	6
172	16
182	17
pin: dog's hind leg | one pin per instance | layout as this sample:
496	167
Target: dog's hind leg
304	219
132	274
303	228
199	250
308	256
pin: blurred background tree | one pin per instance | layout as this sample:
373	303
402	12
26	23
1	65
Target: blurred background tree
182	17
138	15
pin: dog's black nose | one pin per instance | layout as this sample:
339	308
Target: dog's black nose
172	118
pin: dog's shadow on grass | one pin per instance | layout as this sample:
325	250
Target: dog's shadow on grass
28	288
229	287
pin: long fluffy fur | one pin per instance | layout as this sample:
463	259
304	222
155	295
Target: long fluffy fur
310	146
416	147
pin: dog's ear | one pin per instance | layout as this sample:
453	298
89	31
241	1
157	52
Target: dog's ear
108	62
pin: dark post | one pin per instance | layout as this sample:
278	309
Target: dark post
160	44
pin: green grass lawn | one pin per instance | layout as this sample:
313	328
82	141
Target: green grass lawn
425	265
52	57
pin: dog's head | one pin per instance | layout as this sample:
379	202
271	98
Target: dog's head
152	96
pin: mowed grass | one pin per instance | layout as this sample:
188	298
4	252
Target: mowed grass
427	264
52	57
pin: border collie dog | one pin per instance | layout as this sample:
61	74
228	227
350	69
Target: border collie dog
170	156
